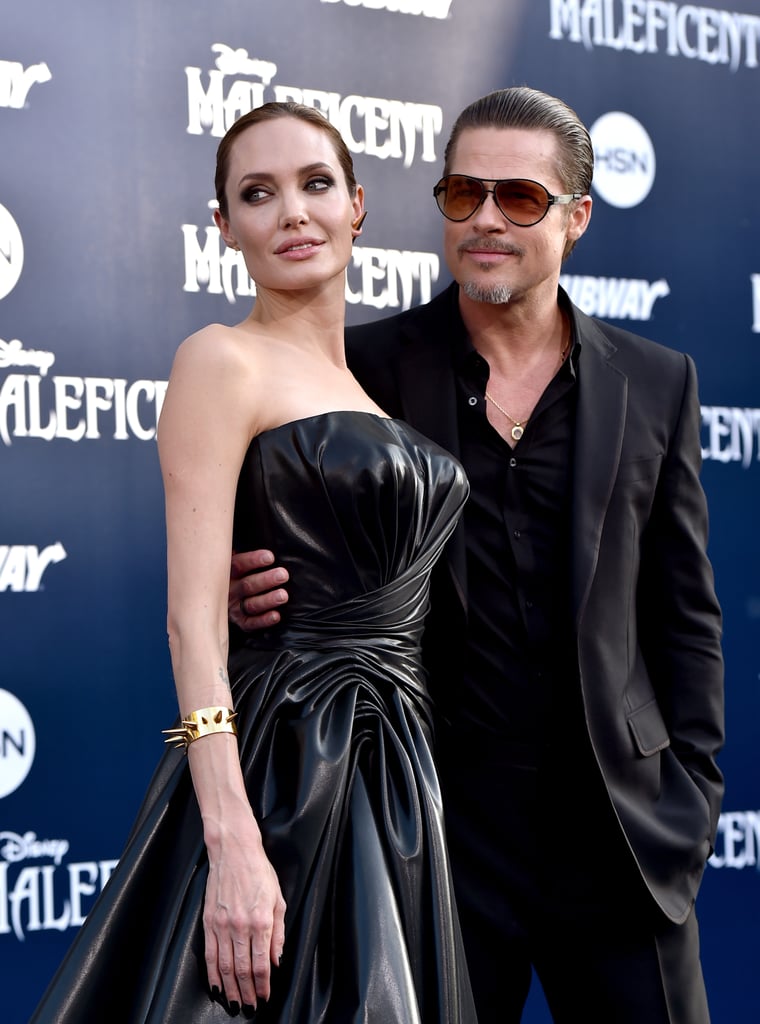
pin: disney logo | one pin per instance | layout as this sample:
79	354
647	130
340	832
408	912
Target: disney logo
12	353
28	847
237	62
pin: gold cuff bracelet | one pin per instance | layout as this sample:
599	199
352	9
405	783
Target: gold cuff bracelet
202	722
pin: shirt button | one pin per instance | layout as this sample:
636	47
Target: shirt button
472	400
517	533
512	463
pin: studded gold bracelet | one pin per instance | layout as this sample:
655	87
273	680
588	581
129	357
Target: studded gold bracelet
202	722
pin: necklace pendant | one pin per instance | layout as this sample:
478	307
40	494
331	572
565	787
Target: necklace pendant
517	432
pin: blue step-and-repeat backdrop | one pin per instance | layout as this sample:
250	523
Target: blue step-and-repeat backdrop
110	114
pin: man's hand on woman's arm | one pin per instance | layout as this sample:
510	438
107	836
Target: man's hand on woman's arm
256	590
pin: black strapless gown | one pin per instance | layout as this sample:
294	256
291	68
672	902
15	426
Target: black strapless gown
335	744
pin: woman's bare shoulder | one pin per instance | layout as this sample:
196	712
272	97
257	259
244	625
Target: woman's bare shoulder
218	343
226	358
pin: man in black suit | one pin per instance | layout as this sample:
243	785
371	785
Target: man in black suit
574	634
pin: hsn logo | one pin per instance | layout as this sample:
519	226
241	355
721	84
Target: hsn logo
624	159
17	743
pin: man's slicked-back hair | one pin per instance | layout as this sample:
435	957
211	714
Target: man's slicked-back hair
523	107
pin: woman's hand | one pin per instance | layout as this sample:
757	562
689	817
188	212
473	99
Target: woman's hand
243	918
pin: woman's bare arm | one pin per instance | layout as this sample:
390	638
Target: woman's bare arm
205	429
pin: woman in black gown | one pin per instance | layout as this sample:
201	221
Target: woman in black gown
299	866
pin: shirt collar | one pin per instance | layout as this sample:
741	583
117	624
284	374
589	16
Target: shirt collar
465	354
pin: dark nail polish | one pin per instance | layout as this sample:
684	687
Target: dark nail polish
234	1009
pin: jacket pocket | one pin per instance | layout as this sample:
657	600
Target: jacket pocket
649	730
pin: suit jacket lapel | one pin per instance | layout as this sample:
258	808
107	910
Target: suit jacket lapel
427	387
428	396
599	428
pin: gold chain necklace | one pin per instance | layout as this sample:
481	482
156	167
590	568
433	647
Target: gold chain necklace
518	426
518	429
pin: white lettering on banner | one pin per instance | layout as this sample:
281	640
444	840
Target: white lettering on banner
737	844
214	266
692	31
14	847
74	407
380	278
418	8
49	897
391	268
755	279
22	565
618	298
16	81
733	435
13	353
237	62
382	128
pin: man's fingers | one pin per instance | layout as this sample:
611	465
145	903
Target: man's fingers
254	599
262	586
250	561
259	592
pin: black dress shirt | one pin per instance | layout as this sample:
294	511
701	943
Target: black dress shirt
515	759
517	529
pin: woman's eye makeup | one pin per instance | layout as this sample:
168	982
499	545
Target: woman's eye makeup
320	183
254	193
316	184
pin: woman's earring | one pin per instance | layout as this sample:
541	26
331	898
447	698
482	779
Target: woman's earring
356	225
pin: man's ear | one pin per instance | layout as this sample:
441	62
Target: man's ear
579	218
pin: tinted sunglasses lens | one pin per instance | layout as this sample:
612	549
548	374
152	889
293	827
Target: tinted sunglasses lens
523	202
459	197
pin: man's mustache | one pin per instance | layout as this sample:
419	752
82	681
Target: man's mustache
490	245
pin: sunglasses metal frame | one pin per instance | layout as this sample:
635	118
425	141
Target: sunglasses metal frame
551	200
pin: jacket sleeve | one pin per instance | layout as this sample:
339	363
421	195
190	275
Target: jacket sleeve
679	615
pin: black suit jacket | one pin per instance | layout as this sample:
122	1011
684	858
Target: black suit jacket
647	623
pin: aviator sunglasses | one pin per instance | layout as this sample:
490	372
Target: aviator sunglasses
522	201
